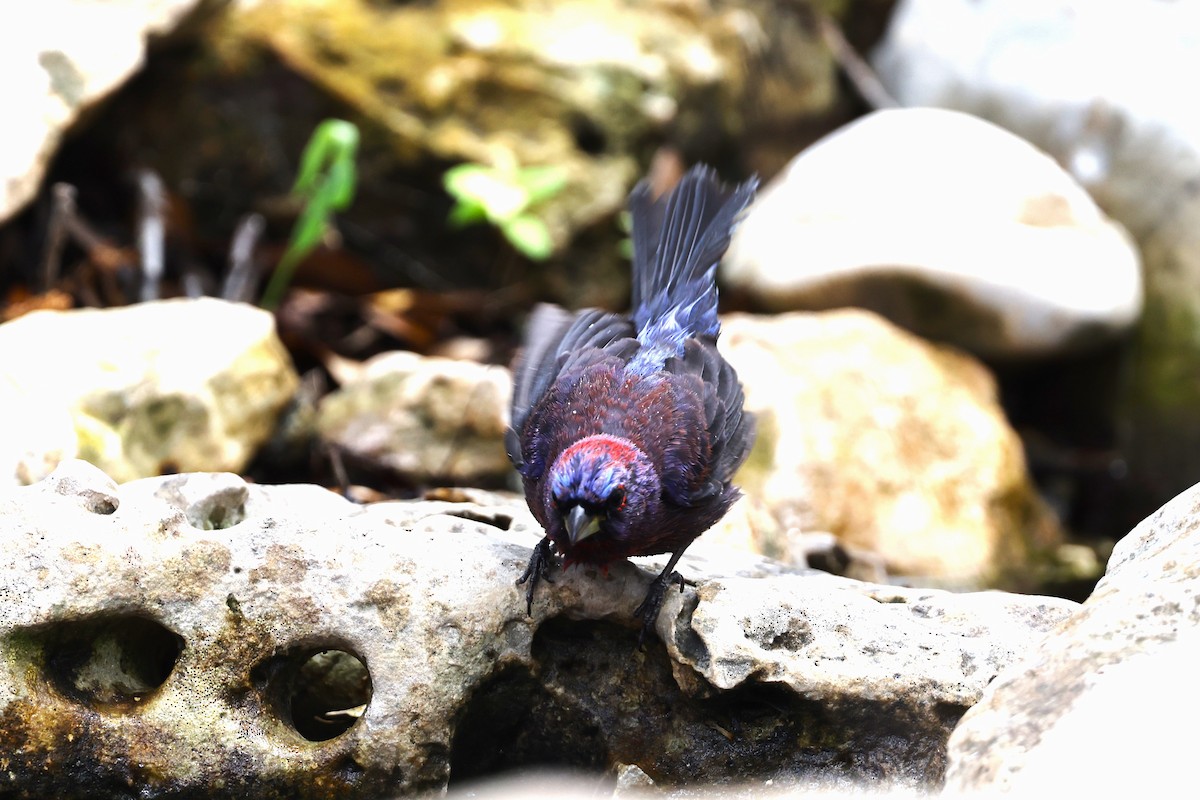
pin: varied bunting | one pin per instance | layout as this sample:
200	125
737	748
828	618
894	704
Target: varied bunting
627	430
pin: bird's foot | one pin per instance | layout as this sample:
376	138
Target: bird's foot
648	610
538	570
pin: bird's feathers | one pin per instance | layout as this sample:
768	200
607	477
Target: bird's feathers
653	380
677	242
556	343
730	428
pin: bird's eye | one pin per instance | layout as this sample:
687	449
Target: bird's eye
616	499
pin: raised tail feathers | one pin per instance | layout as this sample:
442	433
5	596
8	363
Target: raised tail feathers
677	242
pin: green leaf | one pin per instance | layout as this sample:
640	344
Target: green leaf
457	178
541	183
326	181
466	212
334	141
340	184
500	198
310	227
503	195
530	235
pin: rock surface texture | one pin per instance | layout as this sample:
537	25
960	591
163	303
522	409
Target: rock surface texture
426	419
1098	707
175	385
579	85
55	71
897	446
155	640
1046	71
948	225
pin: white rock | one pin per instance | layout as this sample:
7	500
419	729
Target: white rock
1123	736
1046	71
948	225
896	445
426	418
1098	704
1105	88
37	436
58	58
166	386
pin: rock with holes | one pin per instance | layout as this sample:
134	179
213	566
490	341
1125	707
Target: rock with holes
1109	687
174	385
948	225
194	635
423	418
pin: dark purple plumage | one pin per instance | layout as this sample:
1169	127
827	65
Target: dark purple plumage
627	429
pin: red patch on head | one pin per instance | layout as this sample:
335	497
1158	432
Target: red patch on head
602	446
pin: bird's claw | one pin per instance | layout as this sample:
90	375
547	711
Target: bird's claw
650	606
537	570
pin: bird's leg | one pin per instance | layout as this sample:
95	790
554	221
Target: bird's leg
538	570
648	610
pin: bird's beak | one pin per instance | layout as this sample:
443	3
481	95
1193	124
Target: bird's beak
580	525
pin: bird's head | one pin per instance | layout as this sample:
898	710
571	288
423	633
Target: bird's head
598	487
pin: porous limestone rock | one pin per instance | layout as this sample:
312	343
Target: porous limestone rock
426	419
1099	705
54	71
948	225
897	446
175	385
155	638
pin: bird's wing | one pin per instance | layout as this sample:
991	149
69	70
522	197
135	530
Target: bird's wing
557	343
730	429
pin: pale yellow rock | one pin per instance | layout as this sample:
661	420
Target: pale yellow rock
426	418
579	84
176	385
896	445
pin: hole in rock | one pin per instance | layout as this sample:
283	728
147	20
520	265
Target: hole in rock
497	520
210	502
113	660
218	512
512	723
592	700
96	502
319	692
102	505
589	136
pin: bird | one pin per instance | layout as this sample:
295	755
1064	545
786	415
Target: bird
627	429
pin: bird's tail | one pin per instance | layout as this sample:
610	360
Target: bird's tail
677	242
